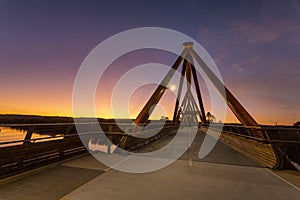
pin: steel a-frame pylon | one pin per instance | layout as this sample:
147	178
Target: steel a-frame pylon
189	103
189	110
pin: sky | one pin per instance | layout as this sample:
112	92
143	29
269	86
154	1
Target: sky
255	44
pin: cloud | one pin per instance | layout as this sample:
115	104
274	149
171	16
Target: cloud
258	56
239	66
262	32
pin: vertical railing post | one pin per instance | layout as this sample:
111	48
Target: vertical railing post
110	129
28	135
26	141
65	140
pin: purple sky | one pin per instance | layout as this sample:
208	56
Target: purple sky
255	44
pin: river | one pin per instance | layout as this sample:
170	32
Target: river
8	134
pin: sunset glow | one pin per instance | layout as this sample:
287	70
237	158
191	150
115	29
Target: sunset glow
256	50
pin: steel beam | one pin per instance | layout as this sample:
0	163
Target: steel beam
176	114
239	111
195	77
156	96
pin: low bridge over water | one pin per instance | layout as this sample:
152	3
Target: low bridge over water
53	169
244	163
278	150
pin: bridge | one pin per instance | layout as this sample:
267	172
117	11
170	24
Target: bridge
249	161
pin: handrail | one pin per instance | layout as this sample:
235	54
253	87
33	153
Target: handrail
31	153
247	136
33	140
265	127
285	142
72	123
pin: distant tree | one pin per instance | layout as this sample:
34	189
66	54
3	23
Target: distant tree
297	123
163	118
210	117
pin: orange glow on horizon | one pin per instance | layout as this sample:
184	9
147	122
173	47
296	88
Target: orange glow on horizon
230	118
66	111
58	102
63	107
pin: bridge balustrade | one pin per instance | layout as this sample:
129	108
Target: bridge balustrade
44	144
285	143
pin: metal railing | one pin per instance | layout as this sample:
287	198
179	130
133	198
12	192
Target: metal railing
47	143
285	142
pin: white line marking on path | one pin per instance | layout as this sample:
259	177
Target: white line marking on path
284	180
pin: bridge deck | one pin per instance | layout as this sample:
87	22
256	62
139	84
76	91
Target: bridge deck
223	174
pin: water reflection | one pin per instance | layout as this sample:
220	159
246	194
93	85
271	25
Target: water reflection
99	145
8	134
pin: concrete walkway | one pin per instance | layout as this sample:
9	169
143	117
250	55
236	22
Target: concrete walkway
223	174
